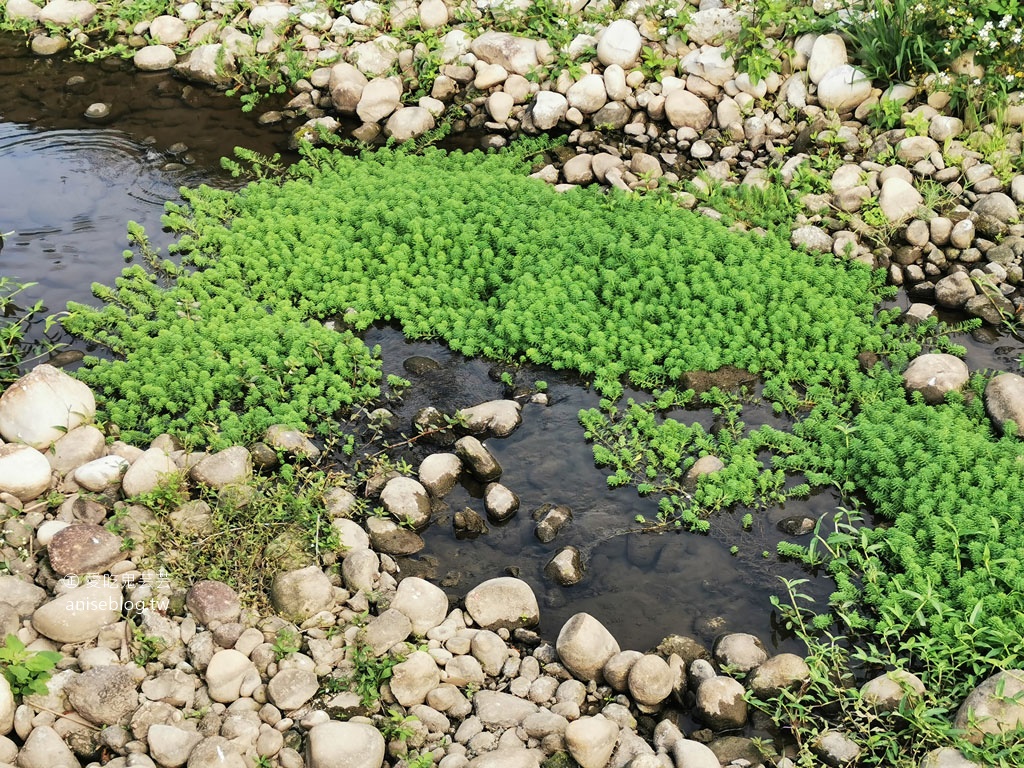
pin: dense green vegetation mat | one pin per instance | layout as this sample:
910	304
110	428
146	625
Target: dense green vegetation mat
626	289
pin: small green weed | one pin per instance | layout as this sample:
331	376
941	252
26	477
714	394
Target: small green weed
286	642
27	672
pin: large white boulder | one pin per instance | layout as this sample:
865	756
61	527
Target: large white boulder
43	405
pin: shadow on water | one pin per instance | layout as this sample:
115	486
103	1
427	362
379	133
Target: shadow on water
68	187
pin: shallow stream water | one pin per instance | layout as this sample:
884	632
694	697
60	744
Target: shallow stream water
69	186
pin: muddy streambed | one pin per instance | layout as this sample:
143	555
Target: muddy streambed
68	187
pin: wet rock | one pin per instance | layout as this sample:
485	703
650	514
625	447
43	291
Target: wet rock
425	604
390	538
24	471
705	465
104	695
591	740
551	520
439	472
886	692
797	525
406	500
291	441
954	290
212	64
619	44
933	375
414	678
469	523
566	567
649	680
213	601
78	614
291	688
584	645
498	418
419	365
503	603
1004	400
43	405
720	703
993	706
344	745
500	502
477	459
148	471
298	595
835	748
740	651
781	672
84	548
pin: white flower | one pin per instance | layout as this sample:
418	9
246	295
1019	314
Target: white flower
671	13
1005	21
662	31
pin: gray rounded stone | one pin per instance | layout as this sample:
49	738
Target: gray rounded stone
298	595
210	601
933	375
740	651
584	645
104	695
503	603
650	680
344	745
425	604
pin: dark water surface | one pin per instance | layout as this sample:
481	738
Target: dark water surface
68	187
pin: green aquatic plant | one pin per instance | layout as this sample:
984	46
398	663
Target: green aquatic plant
468	249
